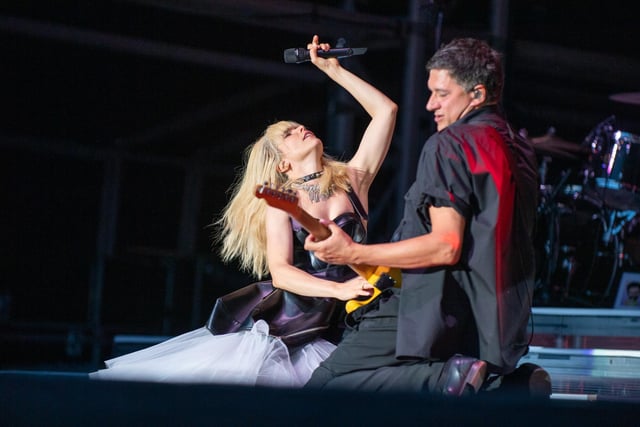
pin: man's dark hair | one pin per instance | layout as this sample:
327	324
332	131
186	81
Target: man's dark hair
471	62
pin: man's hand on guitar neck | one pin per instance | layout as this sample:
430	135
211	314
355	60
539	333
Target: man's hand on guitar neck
338	248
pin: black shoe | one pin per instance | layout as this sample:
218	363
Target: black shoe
528	380
461	375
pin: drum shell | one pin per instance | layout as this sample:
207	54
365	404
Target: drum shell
574	258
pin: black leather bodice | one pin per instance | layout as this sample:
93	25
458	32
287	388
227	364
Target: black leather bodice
352	224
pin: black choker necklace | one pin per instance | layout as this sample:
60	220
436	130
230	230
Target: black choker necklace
309	177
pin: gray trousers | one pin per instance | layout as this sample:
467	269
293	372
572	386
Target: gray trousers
365	358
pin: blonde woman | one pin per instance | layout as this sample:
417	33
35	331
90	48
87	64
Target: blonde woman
268	242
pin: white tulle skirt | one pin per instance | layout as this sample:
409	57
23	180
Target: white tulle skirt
243	358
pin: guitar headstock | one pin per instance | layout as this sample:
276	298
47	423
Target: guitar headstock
284	200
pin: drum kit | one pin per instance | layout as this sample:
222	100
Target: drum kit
588	223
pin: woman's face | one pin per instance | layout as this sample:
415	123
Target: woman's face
298	143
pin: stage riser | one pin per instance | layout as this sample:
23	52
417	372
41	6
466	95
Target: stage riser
59	400
601	374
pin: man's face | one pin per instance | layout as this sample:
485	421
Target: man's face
448	100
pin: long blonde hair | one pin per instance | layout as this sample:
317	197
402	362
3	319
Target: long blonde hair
242	224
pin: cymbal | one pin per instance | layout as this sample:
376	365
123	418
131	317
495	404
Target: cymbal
630	98
554	145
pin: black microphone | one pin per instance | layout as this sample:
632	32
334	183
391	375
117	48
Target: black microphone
296	55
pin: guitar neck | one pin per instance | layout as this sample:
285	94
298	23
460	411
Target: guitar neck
311	224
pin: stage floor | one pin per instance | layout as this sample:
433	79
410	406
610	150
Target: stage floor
64	399
590	354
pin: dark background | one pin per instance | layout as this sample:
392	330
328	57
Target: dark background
124	123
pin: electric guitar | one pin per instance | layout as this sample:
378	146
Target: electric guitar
379	276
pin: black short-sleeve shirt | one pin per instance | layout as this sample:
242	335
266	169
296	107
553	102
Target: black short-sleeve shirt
480	306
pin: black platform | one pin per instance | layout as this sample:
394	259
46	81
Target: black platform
58	399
